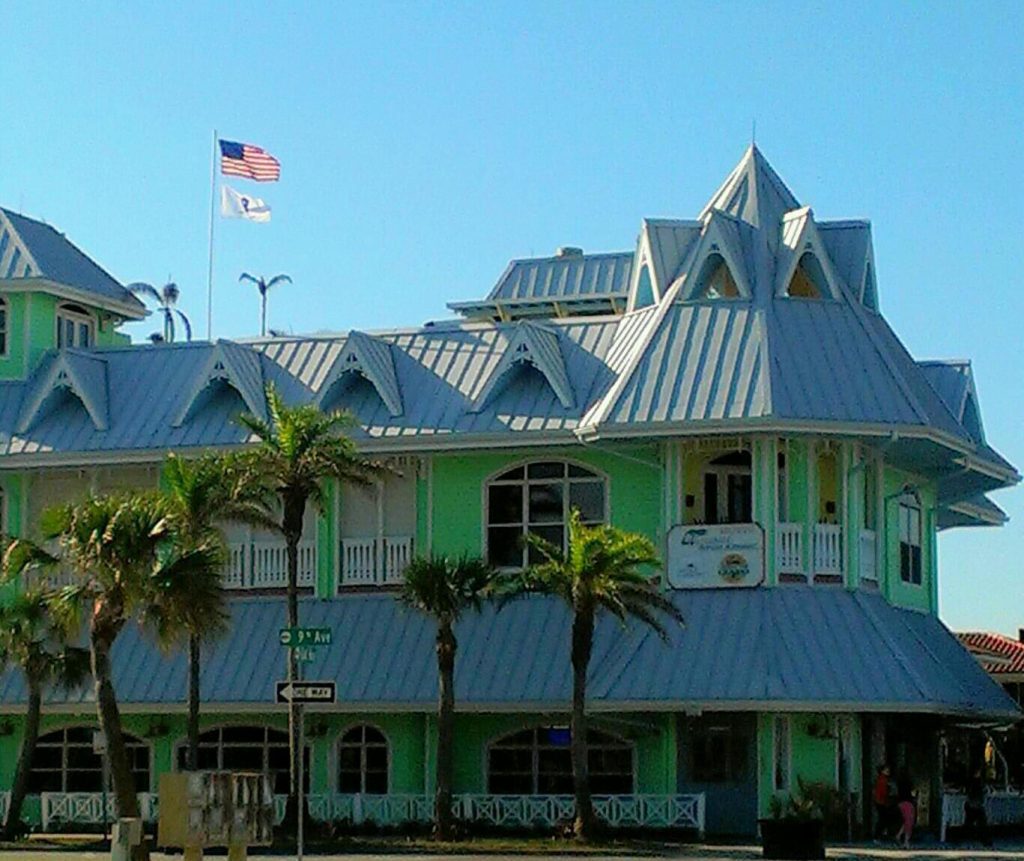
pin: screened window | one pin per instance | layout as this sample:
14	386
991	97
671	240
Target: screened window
75	327
808	281
715	280
910	540
728	489
537	762
363	761
246	748
65	761
780	753
537	498
3	327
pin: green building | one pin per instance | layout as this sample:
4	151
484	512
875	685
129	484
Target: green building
728	387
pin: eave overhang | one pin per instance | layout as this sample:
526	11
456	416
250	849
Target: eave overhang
73	294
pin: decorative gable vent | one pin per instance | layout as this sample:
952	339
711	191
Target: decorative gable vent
82	376
537	347
232	365
804	268
368	358
716	268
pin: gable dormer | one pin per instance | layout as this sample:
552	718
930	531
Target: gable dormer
662	247
364	357
232	366
69	374
804	270
851	252
716	269
535	347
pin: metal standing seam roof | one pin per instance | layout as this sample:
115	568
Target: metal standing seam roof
60	260
370	358
797	648
82	374
565	277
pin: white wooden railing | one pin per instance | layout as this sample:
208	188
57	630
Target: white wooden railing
374	561
264	565
1001	808
828	548
87	808
515	811
789	540
868	556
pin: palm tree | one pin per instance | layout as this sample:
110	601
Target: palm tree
601	570
125	565
166	299
201	492
31	642
299	450
264	286
444	589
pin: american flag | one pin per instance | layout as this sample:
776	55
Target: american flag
242	159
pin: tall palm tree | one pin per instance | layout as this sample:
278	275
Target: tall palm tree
444	589
125	566
264	285
202	492
298	451
30	641
601	570
166	298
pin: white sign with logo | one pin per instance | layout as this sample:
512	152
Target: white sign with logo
710	557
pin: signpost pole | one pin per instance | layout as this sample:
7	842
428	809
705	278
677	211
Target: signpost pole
301	715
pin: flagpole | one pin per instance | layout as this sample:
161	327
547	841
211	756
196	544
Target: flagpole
209	271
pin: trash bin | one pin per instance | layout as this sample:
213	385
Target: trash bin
127	835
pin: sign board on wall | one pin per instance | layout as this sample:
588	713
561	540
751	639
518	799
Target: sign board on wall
712	557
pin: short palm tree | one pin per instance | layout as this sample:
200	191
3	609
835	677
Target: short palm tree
166	299
299	450
264	286
31	642
601	570
125	566
444	589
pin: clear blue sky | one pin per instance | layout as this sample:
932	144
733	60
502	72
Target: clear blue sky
424	145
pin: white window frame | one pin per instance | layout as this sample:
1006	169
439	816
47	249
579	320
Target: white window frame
909	509
566	482
77	316
722	471
361	746
782	729
265	745
132	741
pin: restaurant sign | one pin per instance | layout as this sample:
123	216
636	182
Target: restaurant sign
710	557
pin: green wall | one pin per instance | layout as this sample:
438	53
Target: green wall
896	591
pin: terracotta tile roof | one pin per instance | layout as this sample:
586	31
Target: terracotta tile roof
997	653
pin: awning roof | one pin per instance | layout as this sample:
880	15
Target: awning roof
786	648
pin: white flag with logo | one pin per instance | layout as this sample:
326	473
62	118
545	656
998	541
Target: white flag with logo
234	204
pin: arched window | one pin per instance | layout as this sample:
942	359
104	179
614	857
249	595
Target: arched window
75	326
66	761
536	761
537	498
363	761
808	281
715	280
728	489
3	327
644	289
246	748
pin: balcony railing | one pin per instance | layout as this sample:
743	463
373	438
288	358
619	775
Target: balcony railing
868	556
828	549
263	564
789	551
374	561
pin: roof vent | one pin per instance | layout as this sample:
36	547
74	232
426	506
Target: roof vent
569	251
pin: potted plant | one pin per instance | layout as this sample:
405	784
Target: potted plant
796	828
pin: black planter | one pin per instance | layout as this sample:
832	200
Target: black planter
793	838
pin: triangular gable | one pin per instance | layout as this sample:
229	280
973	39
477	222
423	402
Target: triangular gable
953	381
371	359
720	236
852	254
239	367
753	192
16	260
668	243
81	375
537	346
800	236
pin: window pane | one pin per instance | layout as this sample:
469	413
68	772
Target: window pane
580	472
505	503
504	549
349	782
208	758
588	497
551	469
349	758
243	758
518	473
376	759
740	499
377	782
233	734
546	503
710	498
85	781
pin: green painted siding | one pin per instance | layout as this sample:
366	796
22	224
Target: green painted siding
896	591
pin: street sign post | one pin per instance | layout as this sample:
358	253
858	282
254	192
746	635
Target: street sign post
306	692
293	638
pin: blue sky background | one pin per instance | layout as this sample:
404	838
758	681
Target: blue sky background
424	145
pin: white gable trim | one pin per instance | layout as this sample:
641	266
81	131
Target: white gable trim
371	359
799	236
220	367
715	240
644	257
62	374
16	242
535	345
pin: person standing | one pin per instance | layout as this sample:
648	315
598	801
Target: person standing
975	816
880	797
906	803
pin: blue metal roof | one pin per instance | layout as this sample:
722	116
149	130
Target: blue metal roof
783	648
60	260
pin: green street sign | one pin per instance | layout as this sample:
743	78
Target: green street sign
304	654
293	638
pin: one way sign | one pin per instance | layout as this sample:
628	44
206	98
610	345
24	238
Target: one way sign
306	692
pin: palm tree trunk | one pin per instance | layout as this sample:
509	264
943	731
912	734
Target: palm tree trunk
293	514
446	648
582	645
192	731
28	748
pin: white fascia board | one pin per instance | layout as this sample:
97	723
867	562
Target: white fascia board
715	241
73	294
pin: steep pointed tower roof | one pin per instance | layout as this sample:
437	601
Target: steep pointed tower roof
753	192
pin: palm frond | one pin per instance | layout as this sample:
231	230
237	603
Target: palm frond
186	323
140	288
